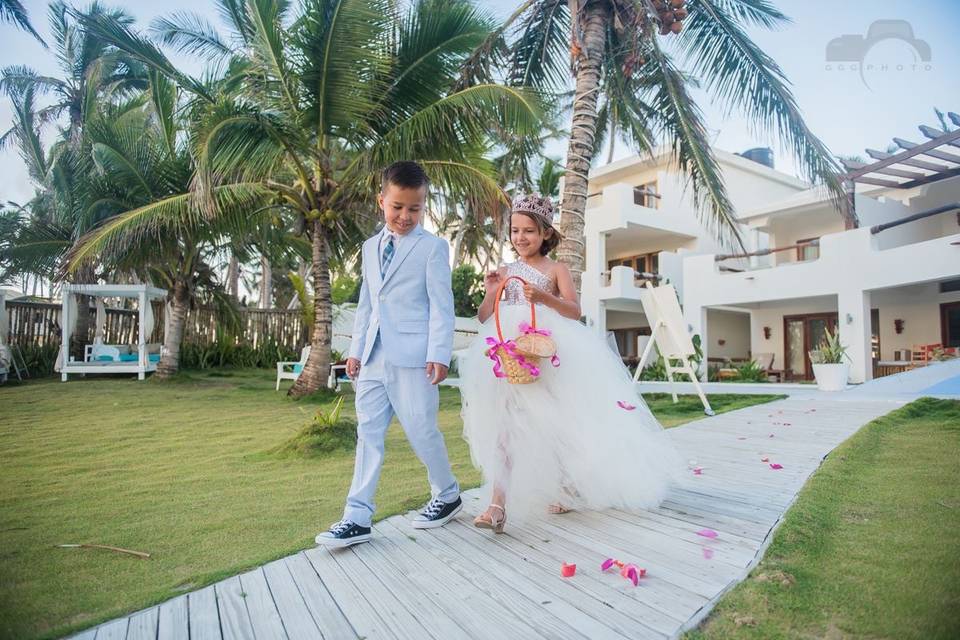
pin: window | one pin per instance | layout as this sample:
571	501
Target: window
950	286
807	251
645	195
643	263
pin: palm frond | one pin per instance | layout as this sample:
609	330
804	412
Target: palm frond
741	76
451	122
432	42
541	51
190	34
678	116
14	11
340	43
139	48
270	52
169	217
163	97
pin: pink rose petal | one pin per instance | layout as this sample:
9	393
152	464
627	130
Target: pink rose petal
698	471
776	465
707	553
625	405
606	564
707	533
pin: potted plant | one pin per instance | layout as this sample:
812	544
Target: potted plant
829	368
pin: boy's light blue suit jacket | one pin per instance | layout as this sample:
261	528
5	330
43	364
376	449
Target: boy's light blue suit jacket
411	306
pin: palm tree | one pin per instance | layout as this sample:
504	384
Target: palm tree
613	50
92	70
322	104
14	11
141	158
92	73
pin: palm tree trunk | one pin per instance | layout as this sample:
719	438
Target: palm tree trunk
233	277
583	131
613	141
266	283
317	369
173	333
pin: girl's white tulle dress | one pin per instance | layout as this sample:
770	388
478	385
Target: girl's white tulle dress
570	437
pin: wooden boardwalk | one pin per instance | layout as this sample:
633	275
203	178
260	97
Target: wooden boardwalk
460	582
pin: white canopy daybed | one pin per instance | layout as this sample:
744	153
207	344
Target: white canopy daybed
109	358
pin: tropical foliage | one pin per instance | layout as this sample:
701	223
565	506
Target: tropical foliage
323	95
625	59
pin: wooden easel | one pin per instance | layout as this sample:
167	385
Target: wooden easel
666	322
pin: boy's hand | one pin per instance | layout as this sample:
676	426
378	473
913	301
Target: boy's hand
353	368
436	372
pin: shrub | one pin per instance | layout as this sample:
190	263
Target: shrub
467	290
326	432
751	372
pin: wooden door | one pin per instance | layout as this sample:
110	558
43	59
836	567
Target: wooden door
802	334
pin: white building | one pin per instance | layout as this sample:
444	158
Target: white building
887	290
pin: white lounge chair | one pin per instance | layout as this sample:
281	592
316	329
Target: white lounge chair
292	370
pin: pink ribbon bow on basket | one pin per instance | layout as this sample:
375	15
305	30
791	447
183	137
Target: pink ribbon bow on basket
511	348
527	330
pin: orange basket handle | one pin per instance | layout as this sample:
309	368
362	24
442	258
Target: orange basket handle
496	306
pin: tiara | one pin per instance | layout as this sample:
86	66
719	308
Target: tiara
531	203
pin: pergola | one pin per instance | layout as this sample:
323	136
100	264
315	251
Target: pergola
916	164
105	358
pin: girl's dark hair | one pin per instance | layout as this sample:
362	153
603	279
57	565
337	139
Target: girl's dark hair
405	173
551	237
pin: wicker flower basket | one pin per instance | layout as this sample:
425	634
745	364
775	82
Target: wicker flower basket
518	360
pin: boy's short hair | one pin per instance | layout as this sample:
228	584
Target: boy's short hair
406	174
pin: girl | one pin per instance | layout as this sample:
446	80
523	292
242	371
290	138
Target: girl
578	437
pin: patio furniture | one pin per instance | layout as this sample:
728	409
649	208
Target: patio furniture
765	362
292	370
99	357
727	373
890	367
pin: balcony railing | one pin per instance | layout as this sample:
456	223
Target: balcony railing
640	278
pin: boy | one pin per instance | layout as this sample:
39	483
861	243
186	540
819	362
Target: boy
402	339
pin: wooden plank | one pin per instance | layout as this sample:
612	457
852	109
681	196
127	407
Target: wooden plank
424	598
324	609
113	630
143	625
367	621
296	617
470	608
264	616
396	611
204	614
174	622
508	588
234	618
621	609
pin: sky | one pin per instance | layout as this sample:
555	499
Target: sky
845	108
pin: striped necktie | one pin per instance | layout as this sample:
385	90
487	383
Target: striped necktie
387	255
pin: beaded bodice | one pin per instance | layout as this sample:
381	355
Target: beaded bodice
513	293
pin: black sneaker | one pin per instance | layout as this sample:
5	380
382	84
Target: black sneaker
344	534
437	513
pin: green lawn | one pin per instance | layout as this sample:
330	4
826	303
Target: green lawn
871	548
180	470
